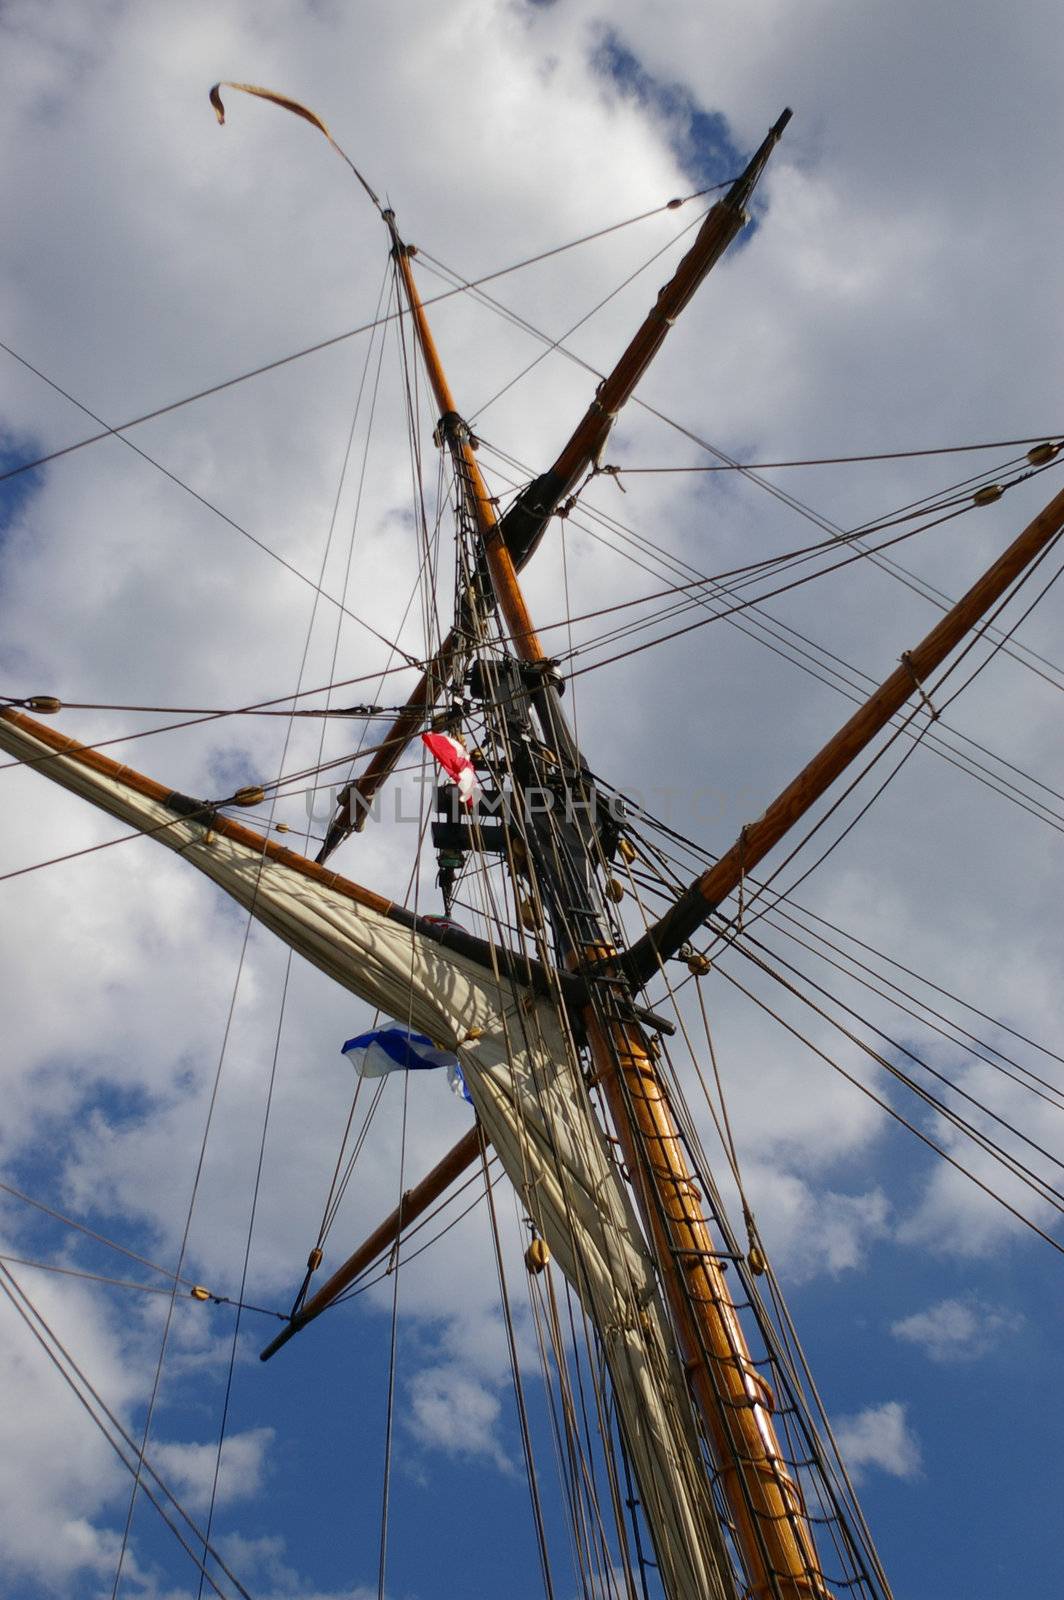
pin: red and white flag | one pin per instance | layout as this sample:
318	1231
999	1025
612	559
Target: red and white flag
454	761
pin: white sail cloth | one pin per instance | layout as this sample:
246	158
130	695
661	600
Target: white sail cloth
528	1094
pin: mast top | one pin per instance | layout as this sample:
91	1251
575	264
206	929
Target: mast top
743	186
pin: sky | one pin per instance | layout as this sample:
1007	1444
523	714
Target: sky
895	290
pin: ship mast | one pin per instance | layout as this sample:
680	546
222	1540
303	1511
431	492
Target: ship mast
769	1521
768	1518
511	539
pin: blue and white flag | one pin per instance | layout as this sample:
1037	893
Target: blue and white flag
398	1049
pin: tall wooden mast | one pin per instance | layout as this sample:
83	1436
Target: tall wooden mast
765	1511
768	1518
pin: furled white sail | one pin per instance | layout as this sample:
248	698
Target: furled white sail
527	1091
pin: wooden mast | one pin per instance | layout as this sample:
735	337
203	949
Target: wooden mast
730	1393
475	491
521	527
768	1517
769	1522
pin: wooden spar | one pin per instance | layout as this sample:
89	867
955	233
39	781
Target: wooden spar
735	1403
500	563
770	1524
183	806
521	527
410	1207
356	798
661	941
764	1502
527	517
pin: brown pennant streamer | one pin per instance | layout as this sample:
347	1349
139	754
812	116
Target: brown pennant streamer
294	106
267	94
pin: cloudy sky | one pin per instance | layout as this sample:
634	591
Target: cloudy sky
898	290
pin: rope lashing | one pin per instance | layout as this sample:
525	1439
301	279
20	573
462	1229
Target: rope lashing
907	663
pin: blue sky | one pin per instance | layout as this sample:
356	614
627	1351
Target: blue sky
16	491
700	138
896	292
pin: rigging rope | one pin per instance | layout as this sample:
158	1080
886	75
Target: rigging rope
389	1411
1055	1096
361	1284
796	583
760	626
30	1315
252	1213
81	1227
519	1394
556	344
901	573
213	716
363	471
326	546
202	499
786	910
911	580
144	1288
288	965
156	1381
1016	1168
999	644
1050	437
870	1093
1053	1196
313	349
671	884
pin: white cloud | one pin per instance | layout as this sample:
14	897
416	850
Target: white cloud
958	1330
810	1230
879	1436
58	1475
262	1564
948	1214
188	1468
452	1411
